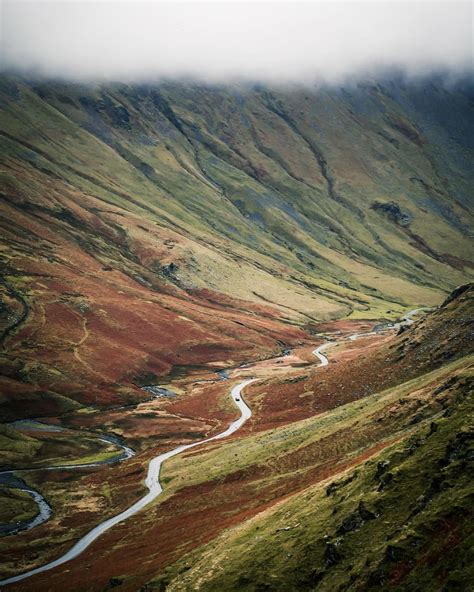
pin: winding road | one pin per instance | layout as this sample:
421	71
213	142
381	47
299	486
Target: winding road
321	357
152	480
405	320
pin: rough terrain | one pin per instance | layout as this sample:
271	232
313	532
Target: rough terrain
161	243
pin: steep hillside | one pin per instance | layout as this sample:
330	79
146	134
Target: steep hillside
360	489
152	226
398	516
371	364
402	521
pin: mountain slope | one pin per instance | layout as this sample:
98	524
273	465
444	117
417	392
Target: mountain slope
398	515
151	226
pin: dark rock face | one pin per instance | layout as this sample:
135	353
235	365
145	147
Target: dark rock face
385	480
364	513
457	292
332	555
394	553
381	468
393	212
170	270
117	114
352	522
336	485
377	578
461	448
356	520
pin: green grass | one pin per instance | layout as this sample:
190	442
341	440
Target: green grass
52	449
415	532
271	220
90	459
215	462
16	505
16	446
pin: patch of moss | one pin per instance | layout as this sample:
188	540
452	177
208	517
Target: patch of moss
16	506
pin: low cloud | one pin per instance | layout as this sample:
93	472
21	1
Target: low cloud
219	41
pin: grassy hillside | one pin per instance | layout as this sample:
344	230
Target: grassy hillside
301	494
152	226
388	496
402	520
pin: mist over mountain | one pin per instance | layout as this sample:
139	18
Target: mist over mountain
275	42
236	298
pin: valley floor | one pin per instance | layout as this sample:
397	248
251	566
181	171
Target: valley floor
351	475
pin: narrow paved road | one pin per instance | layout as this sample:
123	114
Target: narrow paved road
405	320
152	480
321	357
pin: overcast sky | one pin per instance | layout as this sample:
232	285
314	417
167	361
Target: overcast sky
215	41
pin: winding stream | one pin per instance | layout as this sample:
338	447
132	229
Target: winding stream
9	480
152	480
44	509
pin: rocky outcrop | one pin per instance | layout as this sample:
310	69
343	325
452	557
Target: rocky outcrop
393	212
457	292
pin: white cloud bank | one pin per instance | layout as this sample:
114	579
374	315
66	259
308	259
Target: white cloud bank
215	41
